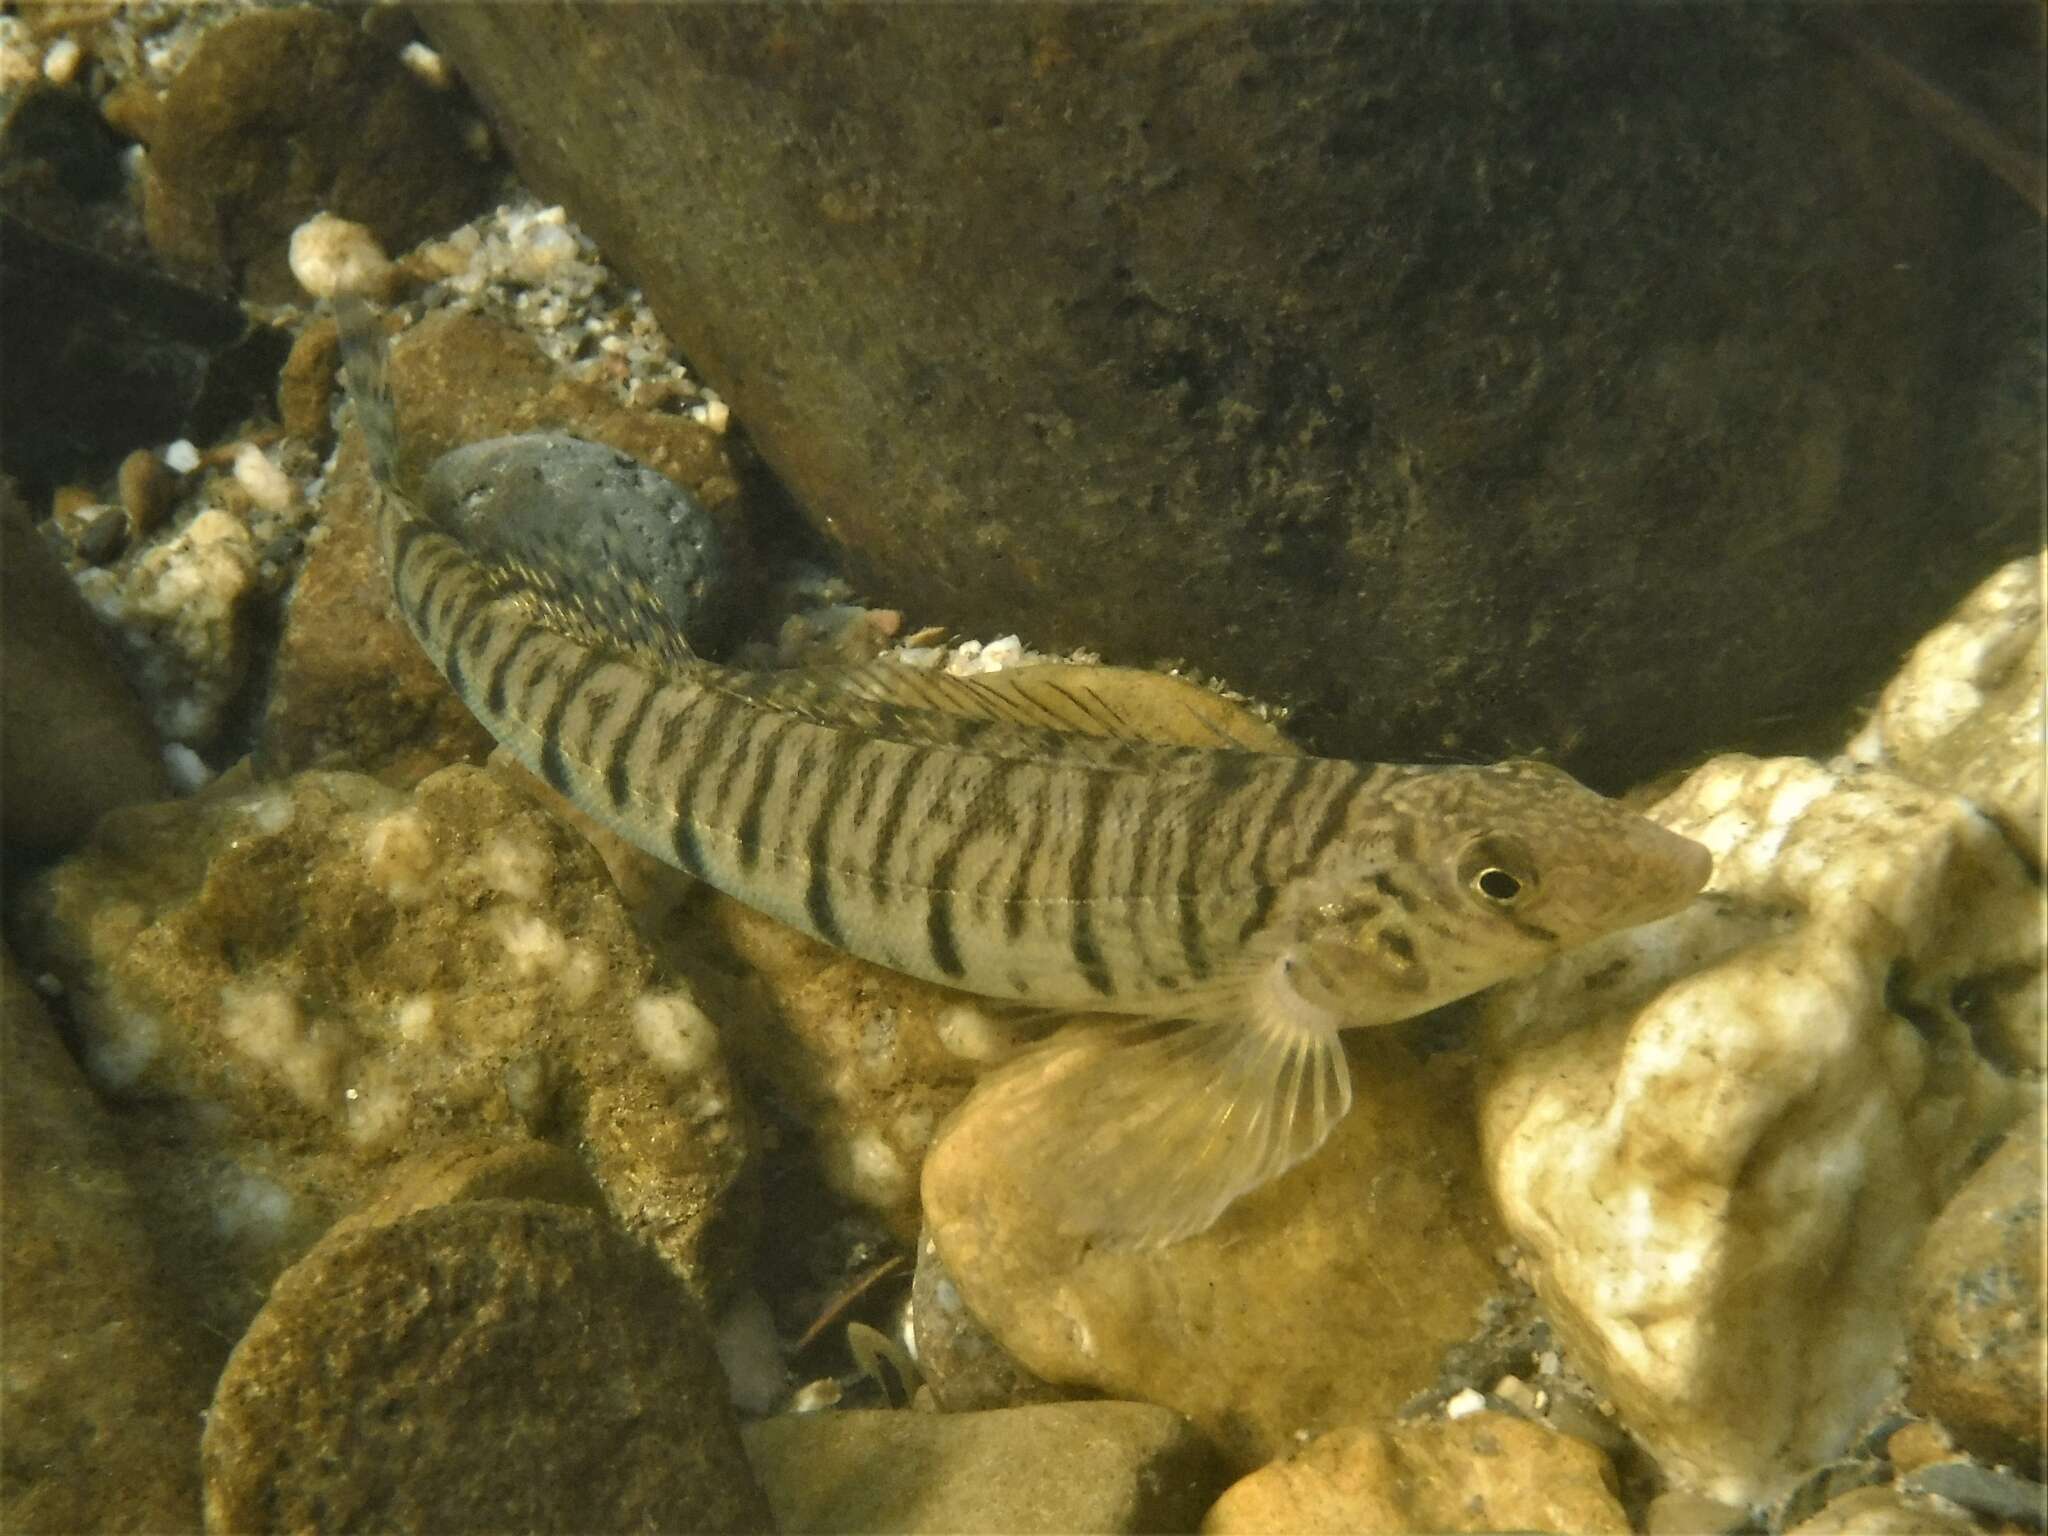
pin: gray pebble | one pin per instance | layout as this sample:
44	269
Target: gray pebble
557	502
1983	1491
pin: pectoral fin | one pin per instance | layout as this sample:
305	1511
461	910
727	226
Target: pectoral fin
1143	1133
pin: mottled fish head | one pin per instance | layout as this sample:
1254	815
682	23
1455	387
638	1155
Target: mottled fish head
1464	877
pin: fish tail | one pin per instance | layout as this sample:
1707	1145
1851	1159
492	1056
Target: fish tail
369	386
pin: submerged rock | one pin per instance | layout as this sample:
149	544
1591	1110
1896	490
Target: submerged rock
1731	1128
103	1375
1965	712
486	1365
1484	1472
74	741
1107	1467
1325	1298
279	114
1398	436
290	986
1977	1361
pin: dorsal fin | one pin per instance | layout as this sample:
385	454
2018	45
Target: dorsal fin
1016	712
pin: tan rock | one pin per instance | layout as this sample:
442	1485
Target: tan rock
1730	1129
1977	1361
1965	712
102	1374
1328	1296
353	689
291	987
1486	1472
483	1366
1883	1512
1106	1467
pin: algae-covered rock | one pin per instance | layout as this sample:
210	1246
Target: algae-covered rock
1977	1361
279	114
1107	1467
1730	1129
486	1365
103	1374
1485	1472
1326	1297
353	688
1471	376
288	987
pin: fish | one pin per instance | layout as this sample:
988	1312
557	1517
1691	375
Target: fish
1092	843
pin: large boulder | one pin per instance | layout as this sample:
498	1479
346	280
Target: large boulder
1473	377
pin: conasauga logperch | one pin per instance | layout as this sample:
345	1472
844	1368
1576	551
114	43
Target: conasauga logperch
1020	836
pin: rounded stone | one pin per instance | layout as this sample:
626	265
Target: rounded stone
486	1365
551	501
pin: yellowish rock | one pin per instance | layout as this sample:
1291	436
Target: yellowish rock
1729	1130
1486	1472
1965	712
1325	1298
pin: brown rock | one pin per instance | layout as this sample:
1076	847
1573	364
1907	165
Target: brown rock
489	1365
1976	1360
290	987
146	488
1389	440
353	688
1488	1472
1105	1467
102	1376
278	115
1326	1297
305	387
74	741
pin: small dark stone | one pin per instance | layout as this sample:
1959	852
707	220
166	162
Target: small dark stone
2003	1496
1825	1485
102	535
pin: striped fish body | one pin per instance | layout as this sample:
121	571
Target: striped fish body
1106	885
1017	837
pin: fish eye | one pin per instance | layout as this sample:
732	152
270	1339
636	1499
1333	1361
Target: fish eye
1498	870
1497	885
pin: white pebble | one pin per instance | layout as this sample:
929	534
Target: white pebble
673	1030
399	850
428	66
713	414
60	64
268	486
531	943
967	1032
1464	1404
332	256
181	457
187	769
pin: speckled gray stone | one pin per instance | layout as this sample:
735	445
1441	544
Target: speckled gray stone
548	500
